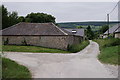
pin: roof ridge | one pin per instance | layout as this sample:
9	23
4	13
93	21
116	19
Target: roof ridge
60	29
35	23
23	22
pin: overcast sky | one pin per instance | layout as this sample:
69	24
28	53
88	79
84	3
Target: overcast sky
67	11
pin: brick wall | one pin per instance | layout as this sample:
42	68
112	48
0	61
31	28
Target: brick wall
59	42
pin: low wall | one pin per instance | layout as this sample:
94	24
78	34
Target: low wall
59	42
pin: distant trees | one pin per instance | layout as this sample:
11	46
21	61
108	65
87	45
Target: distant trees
89	33
95	34
78	27
11	18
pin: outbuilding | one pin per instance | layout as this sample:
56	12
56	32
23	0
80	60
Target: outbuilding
39	34
114	31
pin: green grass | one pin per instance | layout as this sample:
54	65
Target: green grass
110	55
34	49
11	69
0	66
108	42
78	47
109	52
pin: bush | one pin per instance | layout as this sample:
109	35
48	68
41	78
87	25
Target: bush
108	42
77	47
6	41
112	42
24	42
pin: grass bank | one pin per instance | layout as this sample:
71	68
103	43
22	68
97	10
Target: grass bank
34	49
78	47
11	69
110	52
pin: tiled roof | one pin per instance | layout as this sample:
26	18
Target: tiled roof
24	28
79	32
113	29
118	29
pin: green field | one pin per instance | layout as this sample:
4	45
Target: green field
34	49
94	23
109	51
11	69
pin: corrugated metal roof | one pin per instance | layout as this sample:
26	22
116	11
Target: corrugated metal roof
24	28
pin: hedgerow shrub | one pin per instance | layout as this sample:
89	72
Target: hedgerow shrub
77	47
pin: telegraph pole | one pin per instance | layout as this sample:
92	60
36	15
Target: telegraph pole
108	19
108	23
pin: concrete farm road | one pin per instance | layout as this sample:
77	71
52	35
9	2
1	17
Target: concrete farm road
83	64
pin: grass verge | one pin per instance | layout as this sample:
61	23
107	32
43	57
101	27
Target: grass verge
11	69
34	49
77	47
0	67
109	51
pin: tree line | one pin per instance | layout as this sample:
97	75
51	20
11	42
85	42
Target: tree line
11	18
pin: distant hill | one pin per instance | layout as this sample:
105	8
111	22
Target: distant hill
83	24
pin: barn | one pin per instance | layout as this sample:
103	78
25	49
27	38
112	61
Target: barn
39	34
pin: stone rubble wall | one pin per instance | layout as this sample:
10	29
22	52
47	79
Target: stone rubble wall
58	42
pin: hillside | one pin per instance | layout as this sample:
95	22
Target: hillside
84	24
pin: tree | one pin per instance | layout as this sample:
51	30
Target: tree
4	17
104	29
8	19
39	18
89	33
13	18
21	19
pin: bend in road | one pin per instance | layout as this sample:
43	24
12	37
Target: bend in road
83	64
